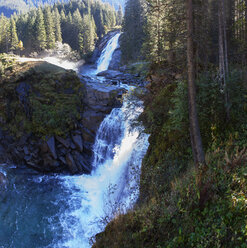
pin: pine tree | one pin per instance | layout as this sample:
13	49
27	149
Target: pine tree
77	28
99	21
89	34
13	35
57	22
133	27
40	31
49	26
119	15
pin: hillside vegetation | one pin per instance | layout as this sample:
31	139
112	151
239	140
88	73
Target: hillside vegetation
38	98
8	7
77	23
184	203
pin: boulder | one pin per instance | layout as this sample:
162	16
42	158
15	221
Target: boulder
78	142
71	164
64	142
51	146
25	149
110	74
116	60
82	163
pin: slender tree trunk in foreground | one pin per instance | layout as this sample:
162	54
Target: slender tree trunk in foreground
195	134
223	55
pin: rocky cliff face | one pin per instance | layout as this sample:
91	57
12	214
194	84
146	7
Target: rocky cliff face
49	117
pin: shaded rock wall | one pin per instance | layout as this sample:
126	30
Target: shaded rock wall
58	152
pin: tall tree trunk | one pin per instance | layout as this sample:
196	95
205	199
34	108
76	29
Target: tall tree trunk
195	134
223	56
245	49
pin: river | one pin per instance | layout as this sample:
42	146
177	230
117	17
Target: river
66	211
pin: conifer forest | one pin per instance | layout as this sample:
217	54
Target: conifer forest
123	123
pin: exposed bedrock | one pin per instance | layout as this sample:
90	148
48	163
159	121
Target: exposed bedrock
65	144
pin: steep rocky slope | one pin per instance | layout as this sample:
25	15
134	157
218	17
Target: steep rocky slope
49	117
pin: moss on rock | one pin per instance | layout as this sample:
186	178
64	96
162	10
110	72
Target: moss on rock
38	97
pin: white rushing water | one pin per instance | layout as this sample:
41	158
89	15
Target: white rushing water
112	187
106	55
56	211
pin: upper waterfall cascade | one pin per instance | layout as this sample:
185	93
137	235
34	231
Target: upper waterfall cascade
106	55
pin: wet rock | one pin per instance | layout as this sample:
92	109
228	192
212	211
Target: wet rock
43	147
49	162
82	163
62	159
116	60
78	142
3	155
25	149
87	135
51	146
64	142
110	74
72	145
24	139
71	164
28	158
3	181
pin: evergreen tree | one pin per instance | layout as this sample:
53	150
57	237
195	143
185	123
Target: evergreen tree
133	27
77	28
4	33
41	28
49	26
57	22
89	34
13	35
196	141
99	21
41	40
119	15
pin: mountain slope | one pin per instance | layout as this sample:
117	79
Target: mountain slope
8	7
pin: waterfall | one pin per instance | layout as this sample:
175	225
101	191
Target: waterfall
106	55
64	211
112	187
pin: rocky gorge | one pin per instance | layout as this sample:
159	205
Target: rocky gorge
36	132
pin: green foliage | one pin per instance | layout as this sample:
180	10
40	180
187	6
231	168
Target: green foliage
203	208
77	23
133	27
179	205
13	35
50	28
52	106
40	31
